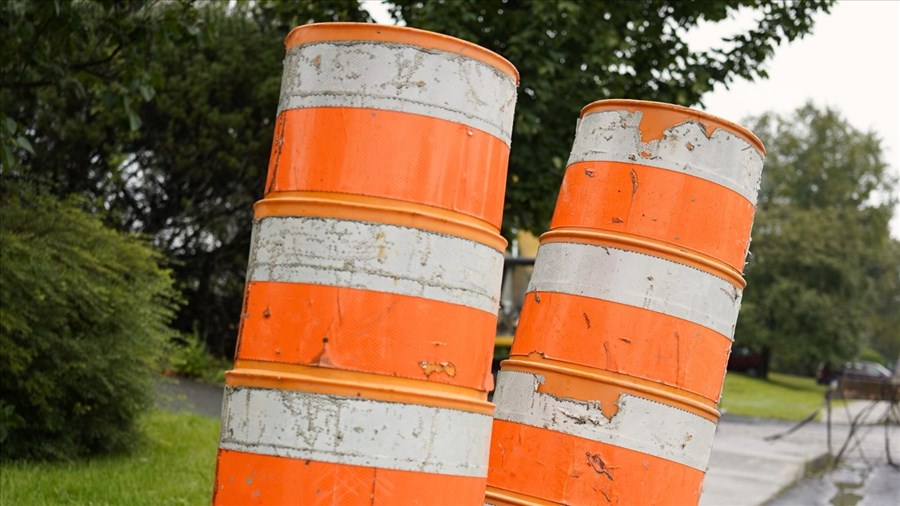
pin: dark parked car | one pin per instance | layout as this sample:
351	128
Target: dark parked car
745	360
859	369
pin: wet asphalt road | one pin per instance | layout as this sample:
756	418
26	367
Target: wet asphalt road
853	483
865	476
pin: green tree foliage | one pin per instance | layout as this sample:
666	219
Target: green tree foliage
570	53
161	113
823	277
72	76
83	321
885	332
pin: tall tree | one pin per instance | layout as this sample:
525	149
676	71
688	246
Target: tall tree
822	277
572	52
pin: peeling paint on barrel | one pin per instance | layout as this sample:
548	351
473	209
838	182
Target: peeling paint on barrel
357	431
639	424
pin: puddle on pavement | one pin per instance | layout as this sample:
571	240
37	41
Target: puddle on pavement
845	495
849	479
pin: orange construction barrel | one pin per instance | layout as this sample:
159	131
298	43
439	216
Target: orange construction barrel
363	361
609	395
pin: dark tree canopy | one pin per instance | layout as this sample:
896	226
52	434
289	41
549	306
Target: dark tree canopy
72	77
161	113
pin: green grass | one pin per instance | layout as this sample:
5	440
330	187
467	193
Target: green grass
175	465
781	396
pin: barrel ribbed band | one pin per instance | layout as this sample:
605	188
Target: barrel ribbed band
720	156
378	257
640	424
639	280
356	431
402	78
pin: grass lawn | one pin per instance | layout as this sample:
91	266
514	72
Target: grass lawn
176	465
781	396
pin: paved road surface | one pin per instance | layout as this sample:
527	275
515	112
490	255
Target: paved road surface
746	470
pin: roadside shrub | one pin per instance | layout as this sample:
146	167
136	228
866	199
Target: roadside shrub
188	357
84	314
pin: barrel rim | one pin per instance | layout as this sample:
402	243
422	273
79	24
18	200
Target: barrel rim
635	105
266	374
383	210
344	31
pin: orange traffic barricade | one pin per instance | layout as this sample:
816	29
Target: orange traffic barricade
363	360
609	395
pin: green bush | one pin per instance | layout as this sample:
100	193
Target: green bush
188	357
83	323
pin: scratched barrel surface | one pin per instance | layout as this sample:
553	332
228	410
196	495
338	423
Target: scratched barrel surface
363	360
610	392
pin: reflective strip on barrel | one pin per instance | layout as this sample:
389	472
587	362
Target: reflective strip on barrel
354	431
610	392
366	337
639	280
375	256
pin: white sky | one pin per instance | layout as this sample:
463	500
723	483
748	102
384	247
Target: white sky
851	62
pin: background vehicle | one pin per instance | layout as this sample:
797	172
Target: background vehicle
858	369
745	360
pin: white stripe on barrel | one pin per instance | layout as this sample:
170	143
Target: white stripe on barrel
355	431
640	424
723	158
376	256
637	280
401	78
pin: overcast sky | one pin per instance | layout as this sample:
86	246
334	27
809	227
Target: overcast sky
850	62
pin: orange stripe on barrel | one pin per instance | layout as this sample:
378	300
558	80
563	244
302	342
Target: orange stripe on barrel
337	327
566	469
659	204
391	155
623	339
247	478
